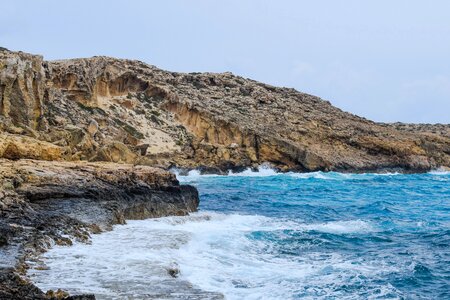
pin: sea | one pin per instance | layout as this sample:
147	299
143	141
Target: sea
268	235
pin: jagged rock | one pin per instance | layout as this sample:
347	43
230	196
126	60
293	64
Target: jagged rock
57	295
18	147
22	86
190	120
92	128
115	152
51	201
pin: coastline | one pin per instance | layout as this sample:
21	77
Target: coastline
56	203
87	143
46	203
241	232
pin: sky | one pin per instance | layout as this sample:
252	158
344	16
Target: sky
385	60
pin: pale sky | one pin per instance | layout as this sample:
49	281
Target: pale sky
383	60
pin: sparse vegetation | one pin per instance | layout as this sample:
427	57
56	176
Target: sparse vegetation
155	119
91	110
142	97
155	112
129	129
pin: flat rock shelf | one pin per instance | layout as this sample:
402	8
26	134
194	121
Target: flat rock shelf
46	203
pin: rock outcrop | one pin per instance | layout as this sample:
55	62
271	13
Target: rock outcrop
78	139
43	203
106	109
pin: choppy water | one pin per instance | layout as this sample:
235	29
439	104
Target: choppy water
262	235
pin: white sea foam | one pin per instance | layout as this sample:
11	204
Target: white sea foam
266	171
194	175
316	175
440	171
263	171
213	251
342	227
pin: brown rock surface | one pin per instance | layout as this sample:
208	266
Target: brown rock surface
18	146
96	107
42	203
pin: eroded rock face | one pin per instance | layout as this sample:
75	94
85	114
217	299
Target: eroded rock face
19	146
22	87
103	108
42	203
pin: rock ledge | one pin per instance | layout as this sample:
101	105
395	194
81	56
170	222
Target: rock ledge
44	203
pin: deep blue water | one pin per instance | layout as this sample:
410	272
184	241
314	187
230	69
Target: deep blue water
263	235
329	235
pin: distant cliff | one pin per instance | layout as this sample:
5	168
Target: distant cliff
107	109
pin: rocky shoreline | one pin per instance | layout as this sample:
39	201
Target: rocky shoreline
126	111
45	203
84	144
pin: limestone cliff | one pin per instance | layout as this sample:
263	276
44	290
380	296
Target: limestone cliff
106	109
44	203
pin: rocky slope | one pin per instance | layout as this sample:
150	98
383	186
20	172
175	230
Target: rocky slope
106	109
43	203
78	137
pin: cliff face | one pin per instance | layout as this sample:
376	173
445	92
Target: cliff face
106	109
45	203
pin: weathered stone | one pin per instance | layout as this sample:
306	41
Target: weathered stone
92	127
203	119
44	201
19	147
115	152
123	104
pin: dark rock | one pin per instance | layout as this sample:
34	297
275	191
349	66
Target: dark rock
54	200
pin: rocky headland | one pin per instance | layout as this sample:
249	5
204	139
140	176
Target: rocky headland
84	144
126	111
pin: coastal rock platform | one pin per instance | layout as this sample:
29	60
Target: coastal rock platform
45	203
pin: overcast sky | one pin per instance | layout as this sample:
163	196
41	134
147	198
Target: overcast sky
384	60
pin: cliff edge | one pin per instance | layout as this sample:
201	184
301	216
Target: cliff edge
117	110
46	203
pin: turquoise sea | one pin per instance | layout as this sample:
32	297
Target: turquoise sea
264	235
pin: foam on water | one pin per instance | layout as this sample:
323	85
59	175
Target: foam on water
266	235
193	175
267	171
213	251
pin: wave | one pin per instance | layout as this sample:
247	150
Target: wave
440	171
265	171
224	222
262	171
213	251
342	227
221	256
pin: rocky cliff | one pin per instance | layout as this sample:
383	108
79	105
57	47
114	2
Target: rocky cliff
45	203
106	109
78	139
